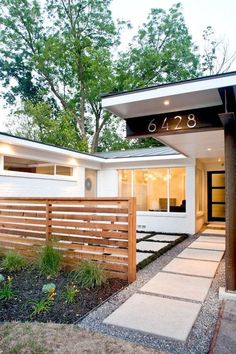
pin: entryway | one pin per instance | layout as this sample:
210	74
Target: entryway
216	195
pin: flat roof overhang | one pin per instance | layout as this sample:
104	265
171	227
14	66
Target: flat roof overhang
181	96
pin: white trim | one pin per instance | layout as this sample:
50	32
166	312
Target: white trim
169	90
37	176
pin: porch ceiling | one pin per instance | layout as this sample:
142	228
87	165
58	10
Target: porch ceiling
181	96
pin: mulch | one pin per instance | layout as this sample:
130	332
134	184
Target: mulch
27	285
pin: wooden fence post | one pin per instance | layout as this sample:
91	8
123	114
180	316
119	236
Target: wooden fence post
131	240
48	221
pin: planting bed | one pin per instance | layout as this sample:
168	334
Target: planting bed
27	285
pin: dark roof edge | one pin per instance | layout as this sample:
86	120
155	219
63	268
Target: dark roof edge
110	94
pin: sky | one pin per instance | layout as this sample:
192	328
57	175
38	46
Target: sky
198	14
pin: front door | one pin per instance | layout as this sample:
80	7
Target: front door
216	195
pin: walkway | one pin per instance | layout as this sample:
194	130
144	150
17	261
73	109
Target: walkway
162	311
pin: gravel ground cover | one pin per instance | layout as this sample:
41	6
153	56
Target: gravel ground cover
201	334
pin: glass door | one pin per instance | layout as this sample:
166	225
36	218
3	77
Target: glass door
216	196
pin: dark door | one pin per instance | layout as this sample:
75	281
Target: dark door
216	196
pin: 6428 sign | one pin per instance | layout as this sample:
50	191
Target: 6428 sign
172	123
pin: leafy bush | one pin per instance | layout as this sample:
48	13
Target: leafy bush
50	261
6	292
70	294
13	261
89	275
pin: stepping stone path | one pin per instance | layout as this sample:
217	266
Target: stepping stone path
150	244
172	299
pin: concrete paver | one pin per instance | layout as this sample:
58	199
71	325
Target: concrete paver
192	267
213	232
165	238
204	255
159	316
151	246
140	235
140	256
211	239
217	246
179	286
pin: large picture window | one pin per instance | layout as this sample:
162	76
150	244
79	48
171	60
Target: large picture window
155	189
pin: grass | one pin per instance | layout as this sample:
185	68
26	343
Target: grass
13	262
70	294
50	338
50	261
89	275
40	306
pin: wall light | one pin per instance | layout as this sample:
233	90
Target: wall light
166	102
209	149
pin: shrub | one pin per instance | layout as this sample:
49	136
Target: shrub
89	275
47	288
50	261
13	261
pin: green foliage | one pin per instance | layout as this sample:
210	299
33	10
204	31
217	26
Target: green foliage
50	261
57	58
70	294
13	262
6	292
40	306
48	288
161	52
89	275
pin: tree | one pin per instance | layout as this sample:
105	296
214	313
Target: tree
217	57
59	54
161	52
58	59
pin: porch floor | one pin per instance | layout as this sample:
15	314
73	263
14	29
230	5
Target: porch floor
169	303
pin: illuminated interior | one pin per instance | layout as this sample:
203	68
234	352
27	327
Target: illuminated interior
155	189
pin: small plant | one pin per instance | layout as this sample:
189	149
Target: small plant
47	288
89	275
6	292
70	294
13	261
50	261
2	278
40	306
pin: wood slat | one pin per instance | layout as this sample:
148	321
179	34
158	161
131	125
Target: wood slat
22	227
22	233
91	240
97	257
22	207
23	214
98	249
90	210
22	221
88	217
92	225
104	234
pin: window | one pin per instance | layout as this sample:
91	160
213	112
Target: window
32	166
155	189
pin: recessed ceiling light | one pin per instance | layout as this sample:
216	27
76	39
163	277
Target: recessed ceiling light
209	149
166	102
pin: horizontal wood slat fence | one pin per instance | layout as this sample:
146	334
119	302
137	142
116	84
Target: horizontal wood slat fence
99	229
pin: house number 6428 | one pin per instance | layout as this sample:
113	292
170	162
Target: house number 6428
191	123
